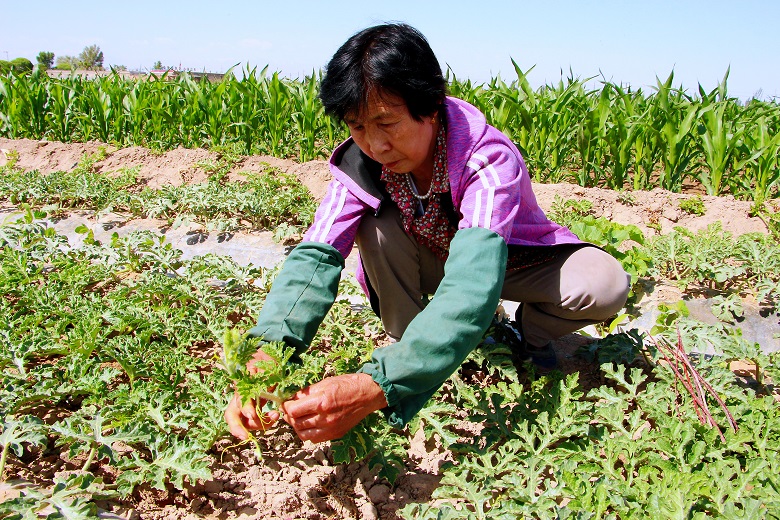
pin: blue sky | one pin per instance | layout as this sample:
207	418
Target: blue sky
628	42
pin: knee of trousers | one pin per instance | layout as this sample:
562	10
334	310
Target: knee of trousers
594	294
606	292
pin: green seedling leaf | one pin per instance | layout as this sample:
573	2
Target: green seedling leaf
26	430
728	309
614	348
237	350
276	380
71	498
172	460
91	436
436	418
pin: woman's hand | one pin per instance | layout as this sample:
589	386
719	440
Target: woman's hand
243	419
327	410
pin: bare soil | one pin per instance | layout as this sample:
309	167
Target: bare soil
296	479
654	212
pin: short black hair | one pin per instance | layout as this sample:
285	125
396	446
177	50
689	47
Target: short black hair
394	58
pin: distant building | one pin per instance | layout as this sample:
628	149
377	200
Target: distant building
170	74
88	74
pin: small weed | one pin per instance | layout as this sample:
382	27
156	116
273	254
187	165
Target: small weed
693	206
769	216
87	162
626	198
12	158
229	153
653	223
565	212
287	234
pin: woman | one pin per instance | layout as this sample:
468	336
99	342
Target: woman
439	203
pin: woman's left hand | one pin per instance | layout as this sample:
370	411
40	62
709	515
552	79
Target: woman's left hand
327	410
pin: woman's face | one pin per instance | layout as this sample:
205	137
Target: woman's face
387	133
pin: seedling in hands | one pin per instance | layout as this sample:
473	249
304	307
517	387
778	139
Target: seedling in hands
271	380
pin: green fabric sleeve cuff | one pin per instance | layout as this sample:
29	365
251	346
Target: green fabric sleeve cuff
300	296
391	395
441	336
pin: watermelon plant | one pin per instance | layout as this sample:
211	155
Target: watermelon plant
120	356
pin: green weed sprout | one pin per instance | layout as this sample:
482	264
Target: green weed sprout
693	206
276	380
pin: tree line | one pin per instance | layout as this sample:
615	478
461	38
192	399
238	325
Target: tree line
90	58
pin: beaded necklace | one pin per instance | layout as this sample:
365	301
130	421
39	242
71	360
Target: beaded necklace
439	161
430	225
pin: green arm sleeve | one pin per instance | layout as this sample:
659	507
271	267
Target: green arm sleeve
438	340
301	295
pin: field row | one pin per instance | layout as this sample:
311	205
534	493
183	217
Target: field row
612	136
110	360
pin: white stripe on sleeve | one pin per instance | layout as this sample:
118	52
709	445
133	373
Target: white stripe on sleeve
488	176
494	174
477	208
483	178
331	195
335	205
479	157
489	207
477	162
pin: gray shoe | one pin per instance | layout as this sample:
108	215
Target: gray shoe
543	358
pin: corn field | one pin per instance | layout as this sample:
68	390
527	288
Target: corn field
613	136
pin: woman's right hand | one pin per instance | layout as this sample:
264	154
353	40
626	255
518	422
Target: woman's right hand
243	419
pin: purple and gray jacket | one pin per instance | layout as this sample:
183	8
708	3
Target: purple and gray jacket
489	184
494	208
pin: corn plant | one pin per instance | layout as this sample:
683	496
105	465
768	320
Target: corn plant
61	120
23	105
673	117
213	104
499	102
247	108
622	131
546	125
98	111
591	134
646	155
464	89
308	115
609	136
763	171
721	138
277	114
152	116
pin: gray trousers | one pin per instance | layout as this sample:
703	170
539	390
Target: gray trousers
582	286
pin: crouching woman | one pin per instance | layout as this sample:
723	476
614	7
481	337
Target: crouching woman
441	208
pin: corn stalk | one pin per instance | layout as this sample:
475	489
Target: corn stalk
673	118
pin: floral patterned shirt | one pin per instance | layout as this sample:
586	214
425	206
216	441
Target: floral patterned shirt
423	217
